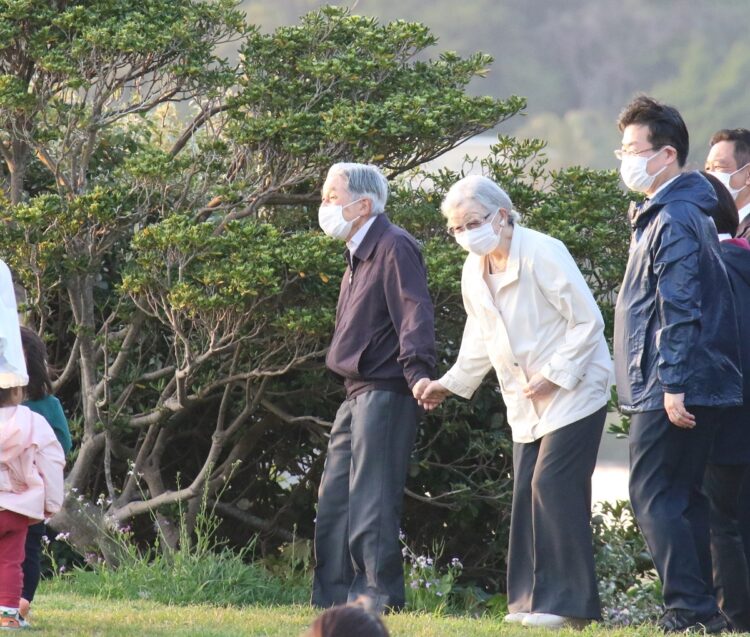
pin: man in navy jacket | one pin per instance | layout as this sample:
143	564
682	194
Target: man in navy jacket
676	356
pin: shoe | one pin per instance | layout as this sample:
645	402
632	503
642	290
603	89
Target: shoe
515	618
10	621
553	622
680	620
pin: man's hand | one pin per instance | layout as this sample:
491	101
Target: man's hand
429	394
674	404
538	387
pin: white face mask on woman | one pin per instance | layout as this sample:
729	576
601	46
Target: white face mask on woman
724	179
481	240
332	222
633	170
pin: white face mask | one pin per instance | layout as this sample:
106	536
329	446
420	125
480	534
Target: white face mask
633	170
332	222
481	240
724	179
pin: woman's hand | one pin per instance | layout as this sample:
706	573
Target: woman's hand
429	394
538	387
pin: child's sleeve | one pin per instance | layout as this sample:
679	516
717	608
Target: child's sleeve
60	424
50	461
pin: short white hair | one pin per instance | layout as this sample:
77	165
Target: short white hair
363	181
482	191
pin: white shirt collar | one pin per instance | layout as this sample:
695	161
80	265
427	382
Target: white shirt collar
663	186
744	211
359	236
724	236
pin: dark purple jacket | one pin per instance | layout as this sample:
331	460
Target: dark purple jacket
385	335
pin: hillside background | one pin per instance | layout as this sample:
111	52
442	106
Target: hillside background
579	61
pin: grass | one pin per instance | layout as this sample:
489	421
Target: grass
61	612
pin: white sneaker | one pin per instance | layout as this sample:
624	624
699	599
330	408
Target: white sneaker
553	622
515	618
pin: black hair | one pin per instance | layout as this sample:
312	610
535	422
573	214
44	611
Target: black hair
35	352
665	124
725	213
346	621
740	137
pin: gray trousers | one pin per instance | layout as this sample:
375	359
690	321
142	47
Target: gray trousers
357	550
550	556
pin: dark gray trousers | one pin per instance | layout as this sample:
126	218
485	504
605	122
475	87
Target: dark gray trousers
667	464
357	550
730	571
550	556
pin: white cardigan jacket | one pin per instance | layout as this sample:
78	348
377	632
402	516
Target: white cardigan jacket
542	319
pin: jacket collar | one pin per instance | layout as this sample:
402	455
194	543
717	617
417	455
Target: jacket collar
477	267
367	247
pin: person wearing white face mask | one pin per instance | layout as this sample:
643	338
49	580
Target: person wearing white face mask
531	316
383	349
677	360
729	161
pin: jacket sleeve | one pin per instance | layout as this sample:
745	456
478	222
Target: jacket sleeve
563	285
676	259
411	311
472	363
59	424
50	462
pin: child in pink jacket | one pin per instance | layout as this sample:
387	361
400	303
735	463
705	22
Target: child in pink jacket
31	460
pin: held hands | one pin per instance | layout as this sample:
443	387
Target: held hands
674	404
538	387
429	394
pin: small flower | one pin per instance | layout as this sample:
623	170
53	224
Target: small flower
401	535
405	551
456	563
45	539
438	593
413	584
62	537
62	569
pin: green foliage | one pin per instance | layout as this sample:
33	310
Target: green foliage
629	588
188	294
366	95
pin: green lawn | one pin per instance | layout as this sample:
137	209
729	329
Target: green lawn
62	613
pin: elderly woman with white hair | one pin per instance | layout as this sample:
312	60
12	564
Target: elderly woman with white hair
531	316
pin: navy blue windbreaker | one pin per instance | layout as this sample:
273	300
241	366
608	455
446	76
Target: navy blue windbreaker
675	322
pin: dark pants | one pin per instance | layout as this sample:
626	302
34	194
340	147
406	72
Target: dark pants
32	562
550	556
666	475
357	549
722	485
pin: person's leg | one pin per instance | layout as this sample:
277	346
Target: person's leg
666	471
333	565
32	561
13	528
564	577
521	539
744	515
730	574
384	426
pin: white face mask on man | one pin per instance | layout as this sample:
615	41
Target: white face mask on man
724	179
332	222
633	170
481	240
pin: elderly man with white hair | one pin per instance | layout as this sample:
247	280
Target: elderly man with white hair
531	316
383	349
